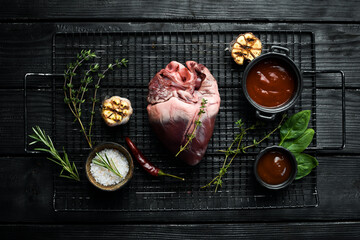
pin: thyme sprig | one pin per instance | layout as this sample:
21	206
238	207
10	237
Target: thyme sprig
74	98
232	153
71	95
197	124
40	136
101	76
87	79
106	163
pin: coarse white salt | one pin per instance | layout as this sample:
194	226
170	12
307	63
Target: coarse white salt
106	177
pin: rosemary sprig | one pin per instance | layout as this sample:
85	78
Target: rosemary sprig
197	124
107	163
229	152
40	136
75	98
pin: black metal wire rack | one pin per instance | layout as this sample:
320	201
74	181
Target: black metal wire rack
148	52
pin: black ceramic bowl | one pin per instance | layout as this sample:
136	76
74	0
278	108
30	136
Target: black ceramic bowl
293	172
269	113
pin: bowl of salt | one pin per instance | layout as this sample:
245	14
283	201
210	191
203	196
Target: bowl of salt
109	166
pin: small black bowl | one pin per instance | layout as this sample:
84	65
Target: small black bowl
269	113
293	162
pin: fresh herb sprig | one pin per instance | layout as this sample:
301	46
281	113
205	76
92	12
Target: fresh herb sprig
71	95
106	163
296	137
197	124
230	153
85	81
101	76
75	98
70	168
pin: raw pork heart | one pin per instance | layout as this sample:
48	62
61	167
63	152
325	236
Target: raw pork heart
175	95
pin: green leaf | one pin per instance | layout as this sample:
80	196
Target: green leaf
295	125
32	143
218	182
75	169
94	100
301	143
100	75
43	150
35	138
305	164
124	62
69	177
222	171
239	123
54	161
252	127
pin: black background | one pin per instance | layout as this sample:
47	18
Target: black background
26	182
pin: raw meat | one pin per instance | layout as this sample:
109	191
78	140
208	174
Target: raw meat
175	95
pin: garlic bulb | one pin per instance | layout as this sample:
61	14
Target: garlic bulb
245	47
116	111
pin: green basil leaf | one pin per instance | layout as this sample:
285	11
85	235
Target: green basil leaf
295	125
305	164
301	143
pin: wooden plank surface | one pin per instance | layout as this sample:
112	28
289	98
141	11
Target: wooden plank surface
27	184
23	48
314	230
34	187
28	48
27	180
142	10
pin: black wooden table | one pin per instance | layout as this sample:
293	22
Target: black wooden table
27	180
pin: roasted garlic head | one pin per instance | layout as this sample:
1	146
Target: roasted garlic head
116	111
245	47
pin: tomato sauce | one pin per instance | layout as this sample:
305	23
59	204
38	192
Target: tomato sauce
270	83
274	167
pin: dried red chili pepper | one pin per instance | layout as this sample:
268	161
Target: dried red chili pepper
145	163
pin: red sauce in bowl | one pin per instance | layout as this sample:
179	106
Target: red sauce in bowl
270	83
274	167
